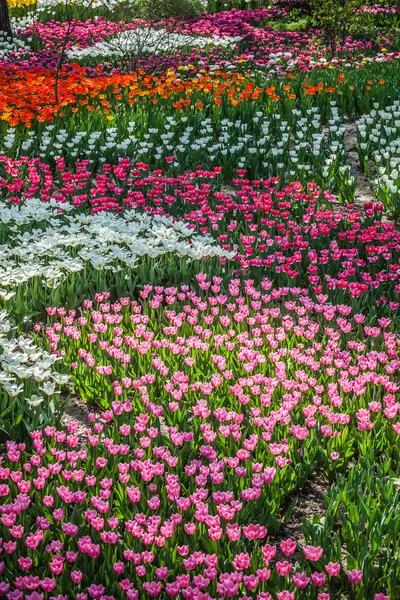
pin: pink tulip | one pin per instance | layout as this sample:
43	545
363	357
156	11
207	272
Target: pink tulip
313	553
355	576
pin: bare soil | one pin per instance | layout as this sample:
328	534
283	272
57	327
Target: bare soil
77	410
364	193
309	503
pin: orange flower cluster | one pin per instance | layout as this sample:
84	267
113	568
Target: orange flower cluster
30	95
310	90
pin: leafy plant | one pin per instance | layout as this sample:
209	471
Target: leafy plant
336	18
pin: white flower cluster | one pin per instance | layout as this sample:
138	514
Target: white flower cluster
21	23
302	148
14	45
25	368
299	145
379	139
145	40
46	245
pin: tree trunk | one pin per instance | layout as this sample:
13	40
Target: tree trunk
5	19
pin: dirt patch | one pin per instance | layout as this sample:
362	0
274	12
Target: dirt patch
305	502
364	193
78	410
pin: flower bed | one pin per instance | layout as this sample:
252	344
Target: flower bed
199	305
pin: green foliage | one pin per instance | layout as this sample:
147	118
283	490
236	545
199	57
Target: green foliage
337	18
300	24
151	10
363	516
